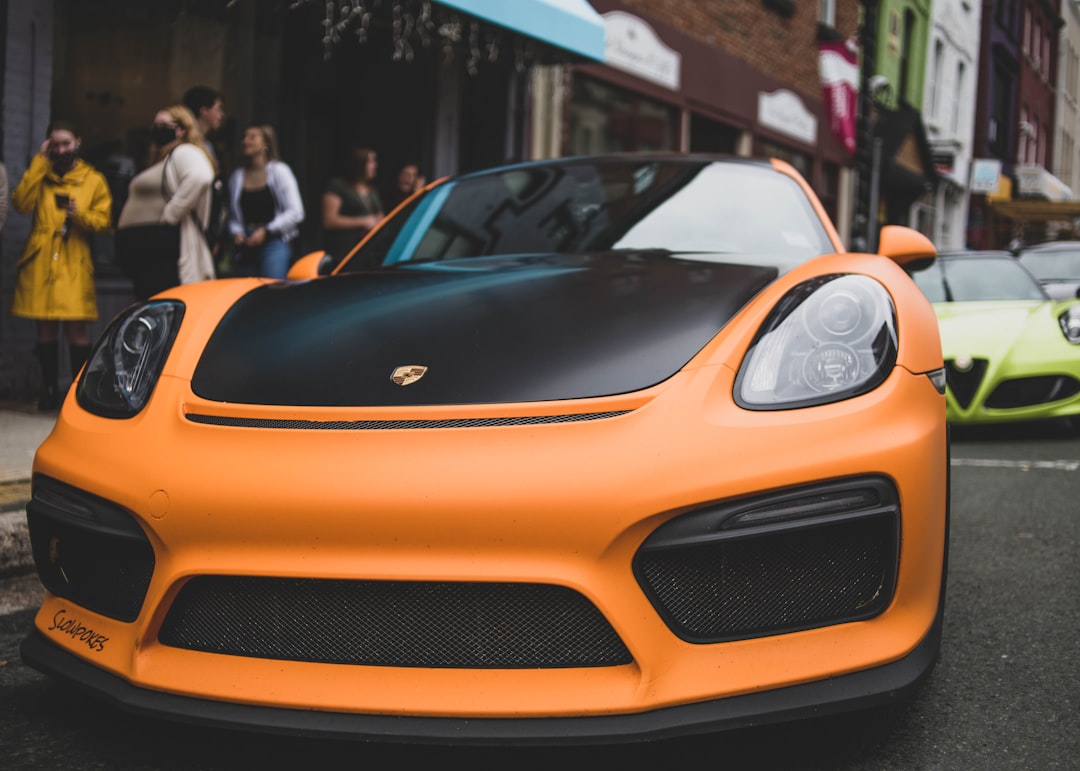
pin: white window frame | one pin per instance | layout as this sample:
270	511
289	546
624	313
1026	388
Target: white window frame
827	12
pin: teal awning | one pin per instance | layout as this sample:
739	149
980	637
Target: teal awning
572	25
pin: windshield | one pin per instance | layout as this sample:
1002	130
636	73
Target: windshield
972	280
1052	264
732	209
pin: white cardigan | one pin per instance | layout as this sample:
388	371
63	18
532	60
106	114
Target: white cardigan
288	206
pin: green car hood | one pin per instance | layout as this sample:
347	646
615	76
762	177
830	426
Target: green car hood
994	330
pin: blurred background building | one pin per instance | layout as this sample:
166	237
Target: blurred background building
462	84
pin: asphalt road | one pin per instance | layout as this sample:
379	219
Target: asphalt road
1004	695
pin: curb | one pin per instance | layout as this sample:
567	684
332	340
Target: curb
15	555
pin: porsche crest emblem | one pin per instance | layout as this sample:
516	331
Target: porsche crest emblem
404	376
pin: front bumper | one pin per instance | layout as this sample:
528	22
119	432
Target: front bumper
875	687
515	505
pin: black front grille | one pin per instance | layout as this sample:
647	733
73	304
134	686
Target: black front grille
1029	391
769	566
393	623
965	382
88	550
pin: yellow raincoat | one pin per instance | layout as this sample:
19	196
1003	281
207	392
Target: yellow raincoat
55	275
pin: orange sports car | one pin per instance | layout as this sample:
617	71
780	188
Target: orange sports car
596	449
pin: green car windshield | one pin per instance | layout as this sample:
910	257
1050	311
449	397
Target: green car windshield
1052	264
731	210
977	279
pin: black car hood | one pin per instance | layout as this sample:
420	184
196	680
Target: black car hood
489	330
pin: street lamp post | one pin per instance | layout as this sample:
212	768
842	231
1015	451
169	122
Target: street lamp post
864	231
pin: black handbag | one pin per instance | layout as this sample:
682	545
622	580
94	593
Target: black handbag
149	255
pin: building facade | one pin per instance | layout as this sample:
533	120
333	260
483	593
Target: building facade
1016	197
949	114
1066	150
740	78
452	84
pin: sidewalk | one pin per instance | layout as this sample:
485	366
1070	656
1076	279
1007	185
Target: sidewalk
22	429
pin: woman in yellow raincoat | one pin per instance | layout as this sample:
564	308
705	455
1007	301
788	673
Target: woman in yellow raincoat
54	281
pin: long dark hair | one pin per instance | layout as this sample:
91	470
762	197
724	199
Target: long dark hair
356	159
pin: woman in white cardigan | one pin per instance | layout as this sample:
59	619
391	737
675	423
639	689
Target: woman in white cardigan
265	207
175	189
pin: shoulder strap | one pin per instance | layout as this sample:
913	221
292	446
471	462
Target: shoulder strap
165	177
166	195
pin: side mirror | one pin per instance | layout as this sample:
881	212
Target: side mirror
908	248
311	265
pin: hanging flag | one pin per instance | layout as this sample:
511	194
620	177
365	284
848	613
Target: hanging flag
839	68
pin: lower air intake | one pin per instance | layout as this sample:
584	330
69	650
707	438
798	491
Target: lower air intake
797	560
393	623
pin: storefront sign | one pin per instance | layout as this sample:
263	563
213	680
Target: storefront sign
984	175
1034	181
784	111
631	45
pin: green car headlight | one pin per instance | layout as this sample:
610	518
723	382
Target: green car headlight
1070	324
828	339
127	359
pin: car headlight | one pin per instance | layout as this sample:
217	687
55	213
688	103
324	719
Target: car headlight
124	367
828	339
1070	324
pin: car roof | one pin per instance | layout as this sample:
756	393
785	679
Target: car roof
1052	246
967	254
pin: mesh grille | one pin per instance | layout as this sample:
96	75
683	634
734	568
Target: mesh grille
1028	391
777	582
393	623
964	383
375	425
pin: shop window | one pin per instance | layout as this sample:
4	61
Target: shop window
708	136
605	118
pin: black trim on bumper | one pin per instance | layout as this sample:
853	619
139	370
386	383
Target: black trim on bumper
881	685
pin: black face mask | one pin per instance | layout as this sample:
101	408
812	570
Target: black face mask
62	162
161	134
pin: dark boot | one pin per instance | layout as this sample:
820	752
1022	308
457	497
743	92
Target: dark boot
77	356
48	358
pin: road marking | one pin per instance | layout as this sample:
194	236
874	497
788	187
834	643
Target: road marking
1023	465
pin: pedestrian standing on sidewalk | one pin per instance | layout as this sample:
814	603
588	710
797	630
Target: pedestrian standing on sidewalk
265	207
351	205
207	107
208	110
3	196
173	191
54	279
408	181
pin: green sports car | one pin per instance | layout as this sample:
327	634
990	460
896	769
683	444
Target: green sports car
1011	352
